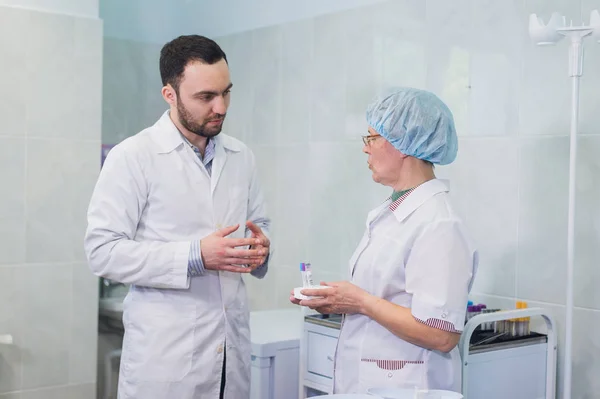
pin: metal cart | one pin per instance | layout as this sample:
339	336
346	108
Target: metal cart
499	367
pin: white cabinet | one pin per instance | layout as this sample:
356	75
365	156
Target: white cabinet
275	337
319	357
319	342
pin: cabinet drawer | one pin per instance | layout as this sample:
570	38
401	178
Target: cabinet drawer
321	350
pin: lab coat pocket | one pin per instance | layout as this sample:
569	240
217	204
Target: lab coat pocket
382	373
159	341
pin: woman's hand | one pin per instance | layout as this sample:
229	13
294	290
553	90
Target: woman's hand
341	297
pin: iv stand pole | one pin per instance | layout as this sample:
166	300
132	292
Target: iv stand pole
575	71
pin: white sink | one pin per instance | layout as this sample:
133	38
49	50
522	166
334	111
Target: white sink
111	307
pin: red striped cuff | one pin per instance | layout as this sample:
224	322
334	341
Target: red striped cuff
439	324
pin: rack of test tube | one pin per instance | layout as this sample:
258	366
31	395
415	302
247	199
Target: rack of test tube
509	328
503	358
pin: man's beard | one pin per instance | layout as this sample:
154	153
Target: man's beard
187	121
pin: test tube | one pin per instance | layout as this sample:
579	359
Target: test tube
517	329
467	315
512	327
524	321
496	327
303	274
502	326
490	325
470	312
479	310
519	321
482	308
484	326
309	278
527	321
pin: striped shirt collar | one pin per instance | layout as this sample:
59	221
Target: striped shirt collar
417	197
209	151
395	204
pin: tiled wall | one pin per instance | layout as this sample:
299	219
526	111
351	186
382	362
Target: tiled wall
50	153
131	99
299	96
300	92
79	8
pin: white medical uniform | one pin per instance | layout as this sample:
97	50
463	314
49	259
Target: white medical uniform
415	253
154	197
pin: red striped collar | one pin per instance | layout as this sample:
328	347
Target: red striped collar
395	204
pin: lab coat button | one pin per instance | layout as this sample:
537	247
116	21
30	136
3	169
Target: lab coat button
390	375
220	349
444	315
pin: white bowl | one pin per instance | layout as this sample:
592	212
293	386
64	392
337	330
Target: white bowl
408	393
392	393
445	394
299	295
344	396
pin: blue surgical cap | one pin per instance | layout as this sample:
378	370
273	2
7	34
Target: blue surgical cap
417	123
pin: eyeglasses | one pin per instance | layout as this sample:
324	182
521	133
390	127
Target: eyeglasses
367	139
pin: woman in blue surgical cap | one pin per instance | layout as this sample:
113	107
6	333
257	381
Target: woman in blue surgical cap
404	306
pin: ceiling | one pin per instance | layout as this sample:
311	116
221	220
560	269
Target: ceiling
158	21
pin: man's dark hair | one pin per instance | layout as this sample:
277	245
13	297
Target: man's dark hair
176	54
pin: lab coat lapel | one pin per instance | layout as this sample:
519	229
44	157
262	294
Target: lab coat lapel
219	162
372	215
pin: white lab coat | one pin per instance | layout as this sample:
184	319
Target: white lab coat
153	197
420	257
